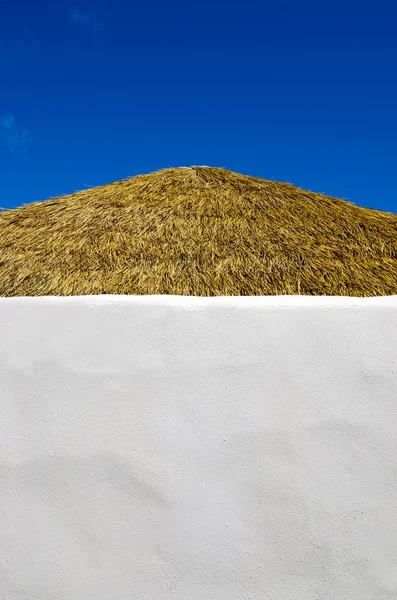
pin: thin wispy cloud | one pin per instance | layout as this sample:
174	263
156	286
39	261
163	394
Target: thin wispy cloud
11	136
88	19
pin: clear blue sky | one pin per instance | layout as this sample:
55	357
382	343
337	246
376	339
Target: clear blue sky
304	92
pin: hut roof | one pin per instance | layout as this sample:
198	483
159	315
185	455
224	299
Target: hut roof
197	231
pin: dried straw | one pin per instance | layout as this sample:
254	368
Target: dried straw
197	231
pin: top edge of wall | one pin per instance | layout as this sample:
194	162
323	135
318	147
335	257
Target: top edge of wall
201	301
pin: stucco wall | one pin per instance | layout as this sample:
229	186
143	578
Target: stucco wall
158	448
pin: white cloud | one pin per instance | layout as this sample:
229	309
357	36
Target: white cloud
85	18
11	136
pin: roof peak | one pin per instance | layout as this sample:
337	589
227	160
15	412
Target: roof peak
197	231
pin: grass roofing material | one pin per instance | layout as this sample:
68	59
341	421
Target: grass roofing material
197	231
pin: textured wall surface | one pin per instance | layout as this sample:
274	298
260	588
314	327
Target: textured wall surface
162	448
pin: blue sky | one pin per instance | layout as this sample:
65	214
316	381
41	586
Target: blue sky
304	92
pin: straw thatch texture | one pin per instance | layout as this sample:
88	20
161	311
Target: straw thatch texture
197	231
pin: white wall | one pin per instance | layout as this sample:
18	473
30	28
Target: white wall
162	448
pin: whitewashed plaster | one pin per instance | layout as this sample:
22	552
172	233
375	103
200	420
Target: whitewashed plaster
165	447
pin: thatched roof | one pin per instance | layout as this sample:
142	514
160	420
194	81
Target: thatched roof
197	231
